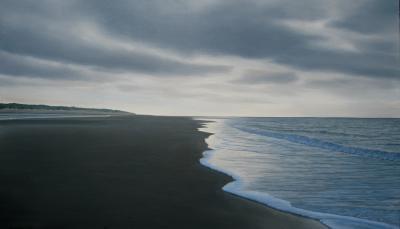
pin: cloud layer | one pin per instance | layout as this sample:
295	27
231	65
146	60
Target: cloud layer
244	54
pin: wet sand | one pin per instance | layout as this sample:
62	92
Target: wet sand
119	172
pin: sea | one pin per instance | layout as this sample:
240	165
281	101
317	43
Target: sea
344	172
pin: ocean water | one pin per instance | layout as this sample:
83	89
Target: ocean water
344	172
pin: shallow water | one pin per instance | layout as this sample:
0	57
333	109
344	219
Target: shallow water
323	168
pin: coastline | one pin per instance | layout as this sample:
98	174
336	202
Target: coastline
119	172
235	187
234	184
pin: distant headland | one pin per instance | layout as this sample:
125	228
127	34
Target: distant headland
19	107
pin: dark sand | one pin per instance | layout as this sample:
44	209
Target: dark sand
119	172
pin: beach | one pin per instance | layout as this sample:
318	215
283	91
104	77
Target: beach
119	172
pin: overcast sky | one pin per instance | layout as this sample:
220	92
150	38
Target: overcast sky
208	57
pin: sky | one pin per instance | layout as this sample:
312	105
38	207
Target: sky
209	57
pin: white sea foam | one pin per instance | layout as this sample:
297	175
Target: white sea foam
236	187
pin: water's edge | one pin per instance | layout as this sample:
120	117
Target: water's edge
329	220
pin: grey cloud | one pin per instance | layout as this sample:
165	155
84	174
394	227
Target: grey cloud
263	77
129	88
329	83
45	46
248	29
230	27
373	16
36	40
350	84
6	82
15	65
376	65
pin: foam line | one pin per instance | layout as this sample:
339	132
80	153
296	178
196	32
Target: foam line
331	220
318	143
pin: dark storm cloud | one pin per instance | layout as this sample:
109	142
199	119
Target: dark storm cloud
46	38
58	48
373	65
14	65
349	84
263	77
230	27
249	29
373	16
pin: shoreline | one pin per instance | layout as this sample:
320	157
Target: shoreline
328	220
119	172
235	181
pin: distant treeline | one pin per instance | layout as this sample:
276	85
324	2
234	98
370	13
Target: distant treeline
53	108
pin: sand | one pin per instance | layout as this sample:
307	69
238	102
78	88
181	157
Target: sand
119	172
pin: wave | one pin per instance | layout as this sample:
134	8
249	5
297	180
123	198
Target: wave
318	143
331	220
